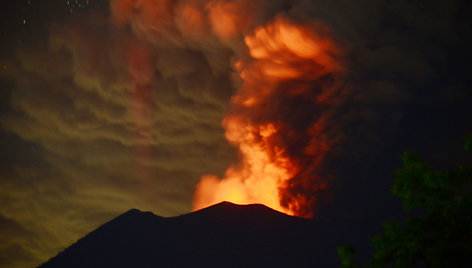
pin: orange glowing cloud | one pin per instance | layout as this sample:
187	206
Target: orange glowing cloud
279	119
191	20
179	21
287	61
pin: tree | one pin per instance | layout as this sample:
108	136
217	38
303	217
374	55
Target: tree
442	236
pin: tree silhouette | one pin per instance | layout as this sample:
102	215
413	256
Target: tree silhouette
442	236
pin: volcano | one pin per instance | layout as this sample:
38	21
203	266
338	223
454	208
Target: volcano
222	235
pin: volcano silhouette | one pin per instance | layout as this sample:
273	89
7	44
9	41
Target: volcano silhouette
223	235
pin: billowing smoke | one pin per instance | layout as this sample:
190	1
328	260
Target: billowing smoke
278	120
286	75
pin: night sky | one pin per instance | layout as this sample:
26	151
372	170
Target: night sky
103	109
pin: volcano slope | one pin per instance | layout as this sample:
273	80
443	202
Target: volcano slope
223	235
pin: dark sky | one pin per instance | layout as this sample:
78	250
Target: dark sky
86	135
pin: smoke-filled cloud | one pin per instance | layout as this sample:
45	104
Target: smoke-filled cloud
116	123
112	112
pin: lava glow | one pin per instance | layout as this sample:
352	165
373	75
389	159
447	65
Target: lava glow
284	61
257	179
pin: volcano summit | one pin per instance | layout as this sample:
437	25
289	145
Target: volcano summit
223	235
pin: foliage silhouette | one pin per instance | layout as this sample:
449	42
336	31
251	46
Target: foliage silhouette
442	235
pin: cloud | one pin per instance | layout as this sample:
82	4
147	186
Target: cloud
116	123
13	251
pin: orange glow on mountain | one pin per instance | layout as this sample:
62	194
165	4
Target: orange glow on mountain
257	179
286	61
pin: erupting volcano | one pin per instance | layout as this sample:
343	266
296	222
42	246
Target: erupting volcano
287	77
287	64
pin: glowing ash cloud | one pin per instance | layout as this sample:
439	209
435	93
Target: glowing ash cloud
287	62
279	117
